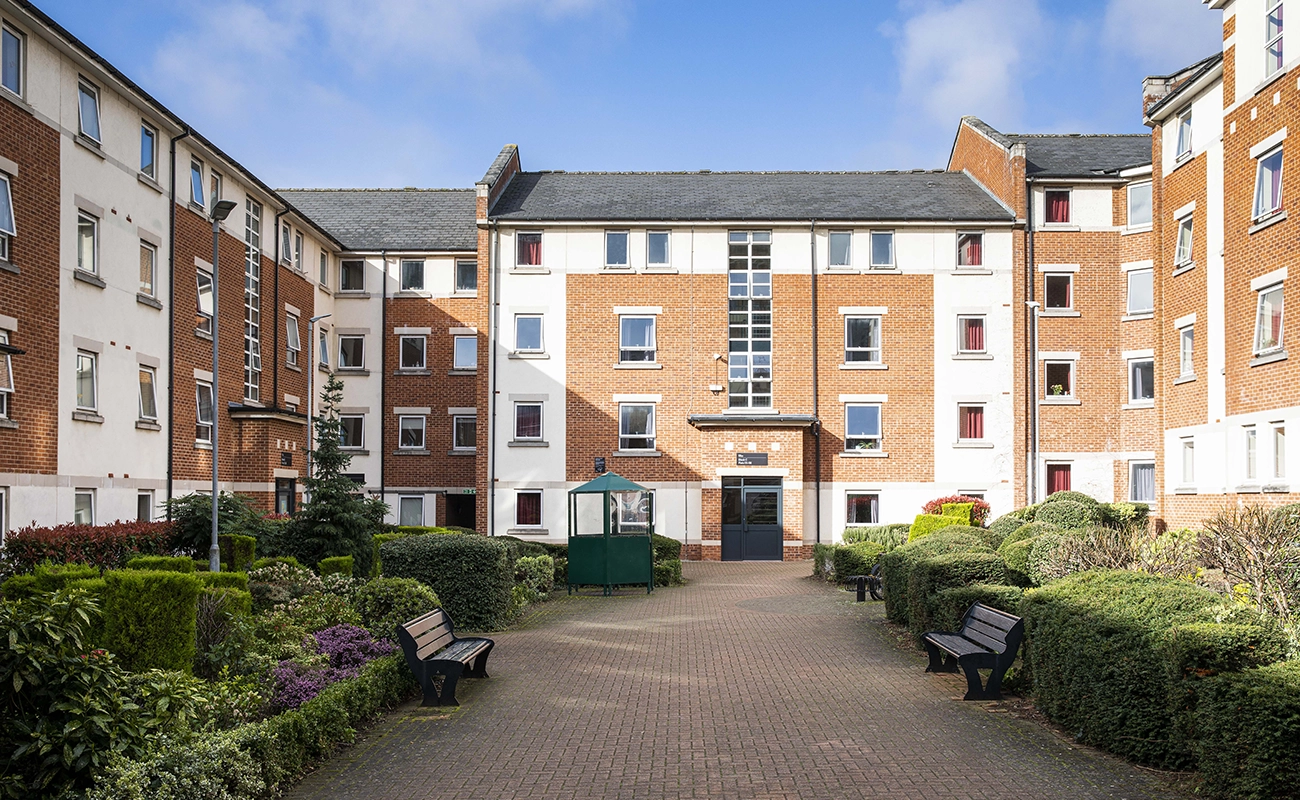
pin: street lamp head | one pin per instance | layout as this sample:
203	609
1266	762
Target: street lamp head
222	209
1032	303
319	317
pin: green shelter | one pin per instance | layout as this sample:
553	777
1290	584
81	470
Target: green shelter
611	520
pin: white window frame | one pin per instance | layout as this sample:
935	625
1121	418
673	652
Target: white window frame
880	337
323	345
4	514
541	428
1250	453
88	89
286	244
1128	210
624	436
541	333
830	249
1069	204
147	496
961	338
1074	387
1069	279
343	272
198	194
1278	435
324	268
1184	255
668	250
1132	482
148	289
404	499
93	360
1259	212
357	367
199	388
401	352
456	363
1183	142
873	443
541	516
1132	366
871	244
627	249
7	366
297	252
292	340
419	265
361	427
456	421
402	427
1273	65
624	349
1149	274
519	241
205	321
77	494
93	221
22	74
153	393
1259	320
1187	351
961	410
849	495
1187	461
473	270
152	133
215	185
960	236
8	207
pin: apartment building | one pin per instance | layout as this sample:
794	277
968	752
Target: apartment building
1084	305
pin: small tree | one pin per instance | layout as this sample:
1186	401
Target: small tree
336	520
1259	550
192	516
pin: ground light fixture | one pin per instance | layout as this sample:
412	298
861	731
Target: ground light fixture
219	213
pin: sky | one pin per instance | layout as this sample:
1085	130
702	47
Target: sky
394	93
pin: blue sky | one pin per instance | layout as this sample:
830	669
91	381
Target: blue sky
424	92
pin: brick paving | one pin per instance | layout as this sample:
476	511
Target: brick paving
751	682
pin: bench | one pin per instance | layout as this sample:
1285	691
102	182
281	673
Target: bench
432	648
988	639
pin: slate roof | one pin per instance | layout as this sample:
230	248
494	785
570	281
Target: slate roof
392	219
1082	155
738	196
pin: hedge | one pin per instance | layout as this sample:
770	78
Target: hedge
949	606
385	603
46	578
926	524
823	566
224	580
929	576
149	619
335	565
237	552
1068	514
1248	724
979	512
982	534
667	573
896	566
162	563
1113	656
1068	496
854	559
888	536
962	510
1117	515
103	546
520	548
665	548
1004	526
472	575
237	601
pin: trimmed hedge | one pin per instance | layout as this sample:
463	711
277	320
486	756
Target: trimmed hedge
102	546
376	563
46	578
149	619
1117	515
887	536
385	603
1248	725
162	563
963	510
665	548
335	565
854	559
932	575
237	602
667	573
519	548
823	566
896	566
1028	531
979	508
224	580
1113	657
472	575
926	524
1004	526
949	606
982	533
1068	514
238	552
1072	497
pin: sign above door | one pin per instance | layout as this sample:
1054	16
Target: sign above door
751	459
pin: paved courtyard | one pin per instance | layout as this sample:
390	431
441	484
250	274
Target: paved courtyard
751	682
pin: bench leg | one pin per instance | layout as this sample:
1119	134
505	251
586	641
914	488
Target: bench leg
450	675
479	670
993	690
939	661
974	687
425	677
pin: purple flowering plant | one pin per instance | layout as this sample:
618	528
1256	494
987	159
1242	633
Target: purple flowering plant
348	647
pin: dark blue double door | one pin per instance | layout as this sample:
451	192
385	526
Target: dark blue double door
751	519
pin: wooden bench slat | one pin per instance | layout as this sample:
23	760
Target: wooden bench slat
988	639
957	645
421	625
998	619
432	648
984	629
428	648
987	642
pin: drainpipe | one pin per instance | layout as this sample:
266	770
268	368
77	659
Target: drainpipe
383	385
1032	306
494	323
171	318
816	425
275	321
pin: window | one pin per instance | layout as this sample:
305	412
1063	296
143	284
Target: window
148	266
464	433
413	276
882	248
970	335
862	427
1058	291
83	507
352	276
1139	205
636	427
297	252
144	506
253	300
411	352
464	352
148	150
467	276
11	56
6	380
1057	206
196	182
88	110
286	246
657	249
636	339
528	333
1183	252
286	493
528	509
861	509
203	413
87	243
1142	482
1141	380
352	352
203	320
1250	448
528	250
1058	478
1059	378
324	268
1186	351
291	339
1141	292
528	422
1184	135
616	248
87	381
148	394
1189	461
1268	184
841	249
324	347
970	249
1273	54
970	422
410	433
750	319
1268	320
410	510
862	340
215	185
1279	451
352	431
7	227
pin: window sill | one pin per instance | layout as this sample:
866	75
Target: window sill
1060	401
146	300
1138	229
530	270
354	452
412	372
8	266
87	416
527	532
412	294
8	423
972	271
863	365
636	454
618	268
1268	358
464	295
89	144
198	209
345	294
1181	268
147	425
886	269
1276	488
1265	222
470	452
1138	405
864	454
293	367
640	365
1181	379
203	445
18	100
1059	312
145	180
88	277
1251	488
353	371
462	371
527	356
526	443
1064	227
323	368
973	444
411	452
972	357
1137	317
1264	84
202	334
1184	490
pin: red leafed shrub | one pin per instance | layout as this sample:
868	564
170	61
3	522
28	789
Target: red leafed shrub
103	546
977	515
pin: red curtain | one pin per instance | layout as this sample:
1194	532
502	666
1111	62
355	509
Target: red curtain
530	252
1058	206
528	508
973	340
1058	478
972	251
972	422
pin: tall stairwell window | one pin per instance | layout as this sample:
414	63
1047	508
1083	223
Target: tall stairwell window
252	300
749	365
1273	53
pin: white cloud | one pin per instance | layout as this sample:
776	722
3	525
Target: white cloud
1163	35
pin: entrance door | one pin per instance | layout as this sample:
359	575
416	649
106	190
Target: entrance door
751	519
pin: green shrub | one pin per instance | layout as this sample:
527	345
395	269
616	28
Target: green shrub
149	619
1016	555
537	575
887	536
236	602
18	587
262	563
1113	656
1027	531
1118	515
1048	557
949	606
420	530
162	563
556	550
191	515
1068	514
237	551
896	566
823	563
337	565
926	524
281	582
385	603
1070	497
962	510
47	577
981	533
1248	725
472	575
519	548
665	548
669	573
930	576
217	609
854	559
224	580
979	509
561	571
316	612
1004	526
376	565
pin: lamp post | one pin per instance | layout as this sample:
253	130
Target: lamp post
219	212
1034	308
311	398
